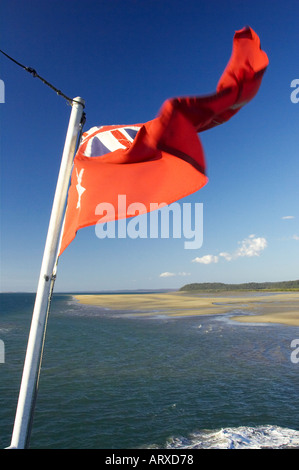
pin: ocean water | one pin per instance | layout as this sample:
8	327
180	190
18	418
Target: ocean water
111	380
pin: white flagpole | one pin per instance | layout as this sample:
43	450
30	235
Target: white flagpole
29	384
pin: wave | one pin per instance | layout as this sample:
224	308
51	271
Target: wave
243	437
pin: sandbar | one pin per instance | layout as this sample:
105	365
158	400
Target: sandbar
275	307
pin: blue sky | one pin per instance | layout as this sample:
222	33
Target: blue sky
125	58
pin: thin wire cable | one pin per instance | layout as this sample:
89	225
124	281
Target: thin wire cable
34	73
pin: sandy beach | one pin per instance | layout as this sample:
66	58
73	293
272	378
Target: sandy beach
261	307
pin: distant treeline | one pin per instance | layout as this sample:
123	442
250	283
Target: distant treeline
253	286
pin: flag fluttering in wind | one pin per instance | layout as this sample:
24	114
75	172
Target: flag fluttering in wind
162	160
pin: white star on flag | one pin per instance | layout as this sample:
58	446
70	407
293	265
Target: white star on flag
79	188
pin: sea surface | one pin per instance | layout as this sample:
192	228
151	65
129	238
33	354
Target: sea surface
113	380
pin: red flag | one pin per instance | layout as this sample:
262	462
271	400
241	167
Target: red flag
162	160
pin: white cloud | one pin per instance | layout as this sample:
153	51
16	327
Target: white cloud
285	217
295	237
168	274
226	256
207	259
249	247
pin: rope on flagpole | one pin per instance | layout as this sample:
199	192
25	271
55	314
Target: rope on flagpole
34	73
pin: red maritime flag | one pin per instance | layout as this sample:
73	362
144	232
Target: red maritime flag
162	160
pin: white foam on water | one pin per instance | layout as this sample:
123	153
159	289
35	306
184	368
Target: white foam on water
5	330
242	437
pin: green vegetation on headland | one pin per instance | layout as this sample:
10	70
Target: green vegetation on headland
248	286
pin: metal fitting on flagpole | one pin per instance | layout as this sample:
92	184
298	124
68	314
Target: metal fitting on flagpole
31	371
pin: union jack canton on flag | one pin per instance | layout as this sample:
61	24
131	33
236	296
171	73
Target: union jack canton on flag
105	139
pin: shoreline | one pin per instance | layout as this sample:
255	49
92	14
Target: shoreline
270	307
